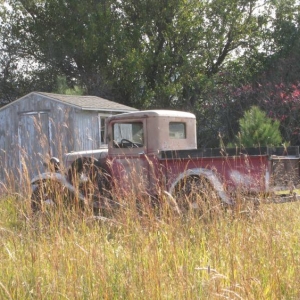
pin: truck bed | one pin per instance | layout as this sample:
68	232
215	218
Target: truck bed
248	164
230	152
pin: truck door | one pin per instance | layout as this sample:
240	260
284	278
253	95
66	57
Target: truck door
128	149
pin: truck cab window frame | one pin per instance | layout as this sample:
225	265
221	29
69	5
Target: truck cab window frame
177	130
128	134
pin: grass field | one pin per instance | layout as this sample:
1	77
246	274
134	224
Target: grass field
68	255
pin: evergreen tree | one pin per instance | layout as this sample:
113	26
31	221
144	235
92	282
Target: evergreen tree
256	129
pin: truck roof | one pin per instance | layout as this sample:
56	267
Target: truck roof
154	113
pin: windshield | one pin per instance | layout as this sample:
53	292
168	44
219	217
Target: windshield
128	135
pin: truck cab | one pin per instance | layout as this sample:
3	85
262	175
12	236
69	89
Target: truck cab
151	131
135	141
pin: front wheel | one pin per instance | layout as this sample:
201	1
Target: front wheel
48	193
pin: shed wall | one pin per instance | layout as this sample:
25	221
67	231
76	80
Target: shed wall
35	127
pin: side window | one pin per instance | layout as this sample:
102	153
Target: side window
102	129
177	130
128	135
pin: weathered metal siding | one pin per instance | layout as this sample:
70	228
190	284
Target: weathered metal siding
8	143
26	126
33	140
35	127
87	131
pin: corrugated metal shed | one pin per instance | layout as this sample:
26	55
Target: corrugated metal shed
40	125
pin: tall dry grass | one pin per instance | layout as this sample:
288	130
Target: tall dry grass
141	254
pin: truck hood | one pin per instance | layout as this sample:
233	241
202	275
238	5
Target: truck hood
98	154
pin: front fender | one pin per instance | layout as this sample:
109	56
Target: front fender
52	176
210	176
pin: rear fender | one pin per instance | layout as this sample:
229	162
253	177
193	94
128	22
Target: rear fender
210	176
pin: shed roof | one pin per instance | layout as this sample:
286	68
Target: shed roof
83	102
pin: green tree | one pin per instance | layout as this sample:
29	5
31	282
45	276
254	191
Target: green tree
63	88
191	55
256	129
74	39
275	87
185	44
20	71
144	53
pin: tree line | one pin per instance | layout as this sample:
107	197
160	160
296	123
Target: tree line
215	58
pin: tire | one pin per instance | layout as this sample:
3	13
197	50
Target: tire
48	193
196	195
93	182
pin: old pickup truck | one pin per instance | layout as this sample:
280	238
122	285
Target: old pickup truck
154	153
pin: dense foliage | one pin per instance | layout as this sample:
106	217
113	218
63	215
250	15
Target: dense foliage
215	58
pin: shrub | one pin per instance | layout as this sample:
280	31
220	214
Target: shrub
256	129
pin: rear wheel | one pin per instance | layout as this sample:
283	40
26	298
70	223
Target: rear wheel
196	195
